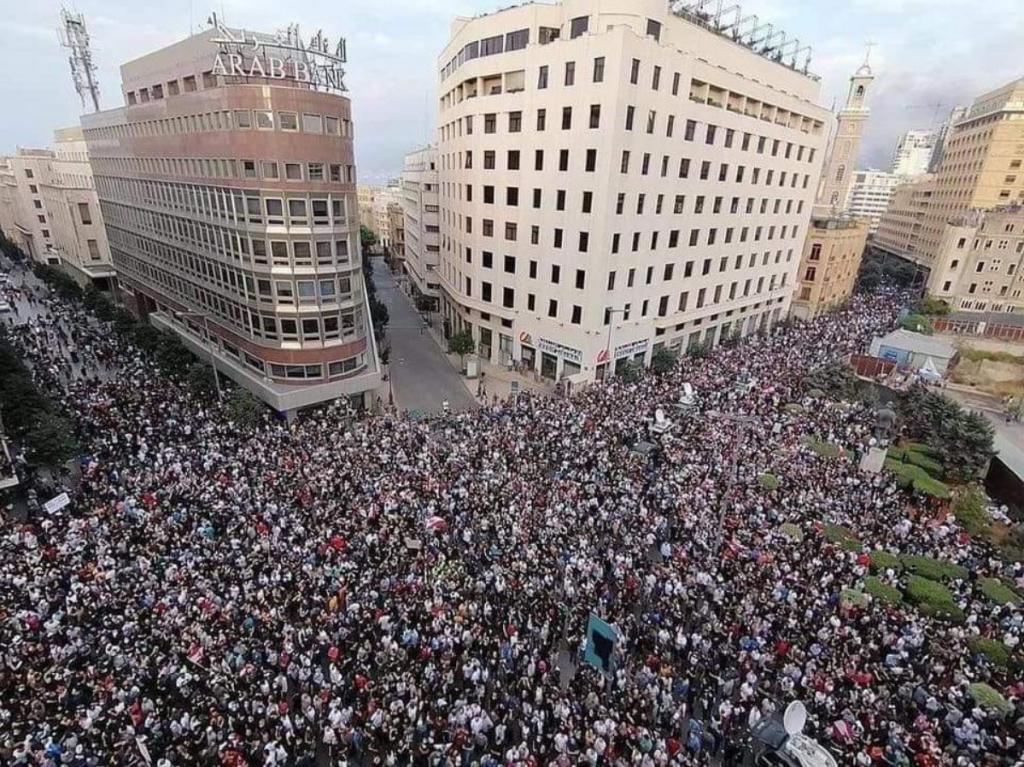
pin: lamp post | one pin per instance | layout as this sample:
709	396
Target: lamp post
743	422
212	346
608	342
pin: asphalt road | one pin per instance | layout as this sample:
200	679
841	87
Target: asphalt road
422	378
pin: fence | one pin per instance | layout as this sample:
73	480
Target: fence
1012	333
871	367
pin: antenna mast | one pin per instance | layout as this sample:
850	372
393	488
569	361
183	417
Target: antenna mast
75	37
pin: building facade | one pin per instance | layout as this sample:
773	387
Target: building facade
835	241
365	196
396	234
227	185
829	265
980	262
914	152
845	146
49	207
899	229
982	168
870	194
421	209
615	177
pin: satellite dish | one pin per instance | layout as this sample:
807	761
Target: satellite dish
795	718
659	415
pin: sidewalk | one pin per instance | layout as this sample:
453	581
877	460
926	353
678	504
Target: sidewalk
495	380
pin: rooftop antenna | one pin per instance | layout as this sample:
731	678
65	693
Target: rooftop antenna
75	37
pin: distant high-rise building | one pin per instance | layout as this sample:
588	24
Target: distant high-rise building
870	194
955	116
227	183
914	152
616	177
421	205
981	170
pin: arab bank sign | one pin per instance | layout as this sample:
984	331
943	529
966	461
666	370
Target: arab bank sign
283	56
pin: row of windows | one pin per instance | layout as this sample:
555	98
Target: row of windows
228	168
233	206
324	326
225	120
710	134
704	297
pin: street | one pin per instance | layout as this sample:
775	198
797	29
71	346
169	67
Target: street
421	376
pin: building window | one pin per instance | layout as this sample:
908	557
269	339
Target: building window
599	69
566	118
548	34
84	214
578	26
515	122
490	122
634	72
595	116
542	78
570	73
516	41
654	30
94	249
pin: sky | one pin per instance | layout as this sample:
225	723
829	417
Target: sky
927	52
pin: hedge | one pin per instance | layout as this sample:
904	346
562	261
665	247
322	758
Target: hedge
843	537
882	591
990	698
917	455
768	481
883	560
994	652
909	475
824	449
934	569
793	531
997	591
854	597
933	599
794	408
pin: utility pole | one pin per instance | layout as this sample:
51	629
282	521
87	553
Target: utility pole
75	37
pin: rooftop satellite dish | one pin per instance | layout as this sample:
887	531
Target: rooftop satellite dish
795	718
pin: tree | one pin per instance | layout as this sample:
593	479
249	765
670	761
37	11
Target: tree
244	410
424	303
366	237
146	337
918	324
960	440
930	306
663	360
835	379
171	353
699	351
50	442
201	380
461	343
628	371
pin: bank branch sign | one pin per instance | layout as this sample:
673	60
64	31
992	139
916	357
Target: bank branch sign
282	56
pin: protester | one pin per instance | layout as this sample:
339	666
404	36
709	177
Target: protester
416	593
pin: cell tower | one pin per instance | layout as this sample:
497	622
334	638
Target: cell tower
75	37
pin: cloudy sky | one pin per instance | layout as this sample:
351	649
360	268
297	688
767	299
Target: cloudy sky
928	51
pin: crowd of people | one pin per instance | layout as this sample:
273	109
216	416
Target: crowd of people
399	592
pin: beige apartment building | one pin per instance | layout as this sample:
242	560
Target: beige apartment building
616	177
50	208
981	169
980	263
396	233
365	195
227	184
421	208
829	265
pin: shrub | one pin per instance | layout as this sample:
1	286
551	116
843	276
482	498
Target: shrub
987	697
245	410
461	343
993	651
794	408
793	531
934	569
628	371
854	597
768	481
927	305
910	476
997	591
882	591
201	380
918	455
933	599
835	379
842	537
883	560
50	441
918	324
970	510
824	449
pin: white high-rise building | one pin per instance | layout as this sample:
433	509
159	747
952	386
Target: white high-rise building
616	177
870	194
914	152
421	207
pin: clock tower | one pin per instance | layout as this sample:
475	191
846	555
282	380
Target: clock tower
839	166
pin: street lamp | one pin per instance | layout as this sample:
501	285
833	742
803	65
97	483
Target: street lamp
744	422
212	346
608	342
